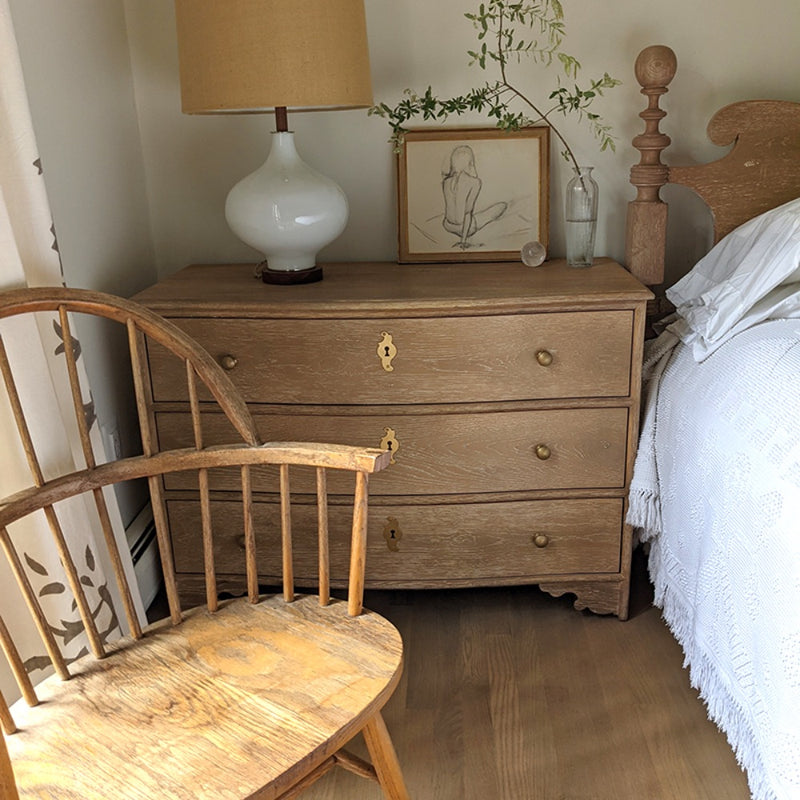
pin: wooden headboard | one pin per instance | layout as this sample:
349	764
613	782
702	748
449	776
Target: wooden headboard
761	171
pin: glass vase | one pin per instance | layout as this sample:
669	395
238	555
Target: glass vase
581	217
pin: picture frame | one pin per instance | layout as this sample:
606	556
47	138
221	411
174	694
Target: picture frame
472	194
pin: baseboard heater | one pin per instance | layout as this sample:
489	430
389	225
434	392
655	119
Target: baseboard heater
142	542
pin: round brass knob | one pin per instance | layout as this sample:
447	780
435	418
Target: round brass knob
541	540
542	452
544	357
228	362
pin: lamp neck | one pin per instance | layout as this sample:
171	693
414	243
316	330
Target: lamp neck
281	119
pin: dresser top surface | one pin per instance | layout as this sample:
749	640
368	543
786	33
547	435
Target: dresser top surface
380	288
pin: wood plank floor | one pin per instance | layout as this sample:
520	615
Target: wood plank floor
510	694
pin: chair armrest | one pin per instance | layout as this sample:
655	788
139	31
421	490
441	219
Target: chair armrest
329	456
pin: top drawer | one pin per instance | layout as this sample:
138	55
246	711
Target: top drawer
396	361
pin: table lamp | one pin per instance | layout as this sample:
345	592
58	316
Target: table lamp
253	56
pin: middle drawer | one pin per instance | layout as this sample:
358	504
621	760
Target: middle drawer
436	453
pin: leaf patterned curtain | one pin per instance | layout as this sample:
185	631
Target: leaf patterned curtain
29	257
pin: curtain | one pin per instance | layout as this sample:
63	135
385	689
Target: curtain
29	257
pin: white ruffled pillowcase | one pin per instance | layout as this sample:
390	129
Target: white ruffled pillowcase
751	275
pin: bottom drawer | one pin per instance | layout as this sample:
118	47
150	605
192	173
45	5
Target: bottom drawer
418	546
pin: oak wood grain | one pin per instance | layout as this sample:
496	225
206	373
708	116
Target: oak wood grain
438	545
447	453
511	694
484	358
384	289
228	705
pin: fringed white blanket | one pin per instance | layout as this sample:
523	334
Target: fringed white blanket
644	509
716	492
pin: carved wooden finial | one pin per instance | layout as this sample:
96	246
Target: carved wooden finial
647	215
655	68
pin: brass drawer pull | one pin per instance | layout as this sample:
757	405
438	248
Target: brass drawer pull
542	452
228	362
387	350
541	540
544	357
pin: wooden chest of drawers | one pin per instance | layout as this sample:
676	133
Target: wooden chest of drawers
509	396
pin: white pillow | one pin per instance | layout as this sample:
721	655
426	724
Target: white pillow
751	275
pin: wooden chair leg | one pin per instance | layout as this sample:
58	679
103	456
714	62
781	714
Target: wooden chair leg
8	788
384	759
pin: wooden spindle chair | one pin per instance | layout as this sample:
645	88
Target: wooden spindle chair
246	698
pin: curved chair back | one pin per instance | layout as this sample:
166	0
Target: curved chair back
44	495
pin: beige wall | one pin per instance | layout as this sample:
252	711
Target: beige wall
76	65
726	51
138	189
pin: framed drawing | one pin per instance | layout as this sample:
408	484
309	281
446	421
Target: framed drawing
472	194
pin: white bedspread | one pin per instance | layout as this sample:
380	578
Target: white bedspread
717	494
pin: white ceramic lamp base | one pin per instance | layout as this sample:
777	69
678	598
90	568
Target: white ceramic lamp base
287	211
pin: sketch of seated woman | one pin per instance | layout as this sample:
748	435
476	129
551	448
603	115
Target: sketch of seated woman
461	187
503	224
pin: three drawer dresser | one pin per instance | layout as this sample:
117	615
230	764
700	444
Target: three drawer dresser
509	397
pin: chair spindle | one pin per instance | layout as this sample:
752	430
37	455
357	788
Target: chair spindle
358	546
8	786
251	566
18	668
322	530
286	535
141	383
208	541
99	498
34	607
212	600
6	720
52	519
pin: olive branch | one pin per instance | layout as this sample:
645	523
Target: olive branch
502	38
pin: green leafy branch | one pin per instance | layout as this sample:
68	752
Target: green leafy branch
498	23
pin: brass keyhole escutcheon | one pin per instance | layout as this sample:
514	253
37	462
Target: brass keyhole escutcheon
387	350
390	443
541	540
392	534
542	452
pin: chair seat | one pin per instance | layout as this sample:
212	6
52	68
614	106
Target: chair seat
229	705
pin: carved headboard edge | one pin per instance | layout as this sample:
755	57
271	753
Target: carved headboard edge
760	172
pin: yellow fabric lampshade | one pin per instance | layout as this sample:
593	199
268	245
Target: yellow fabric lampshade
250	56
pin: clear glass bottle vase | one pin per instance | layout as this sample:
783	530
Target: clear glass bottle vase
581	217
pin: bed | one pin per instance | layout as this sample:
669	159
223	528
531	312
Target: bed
715	494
